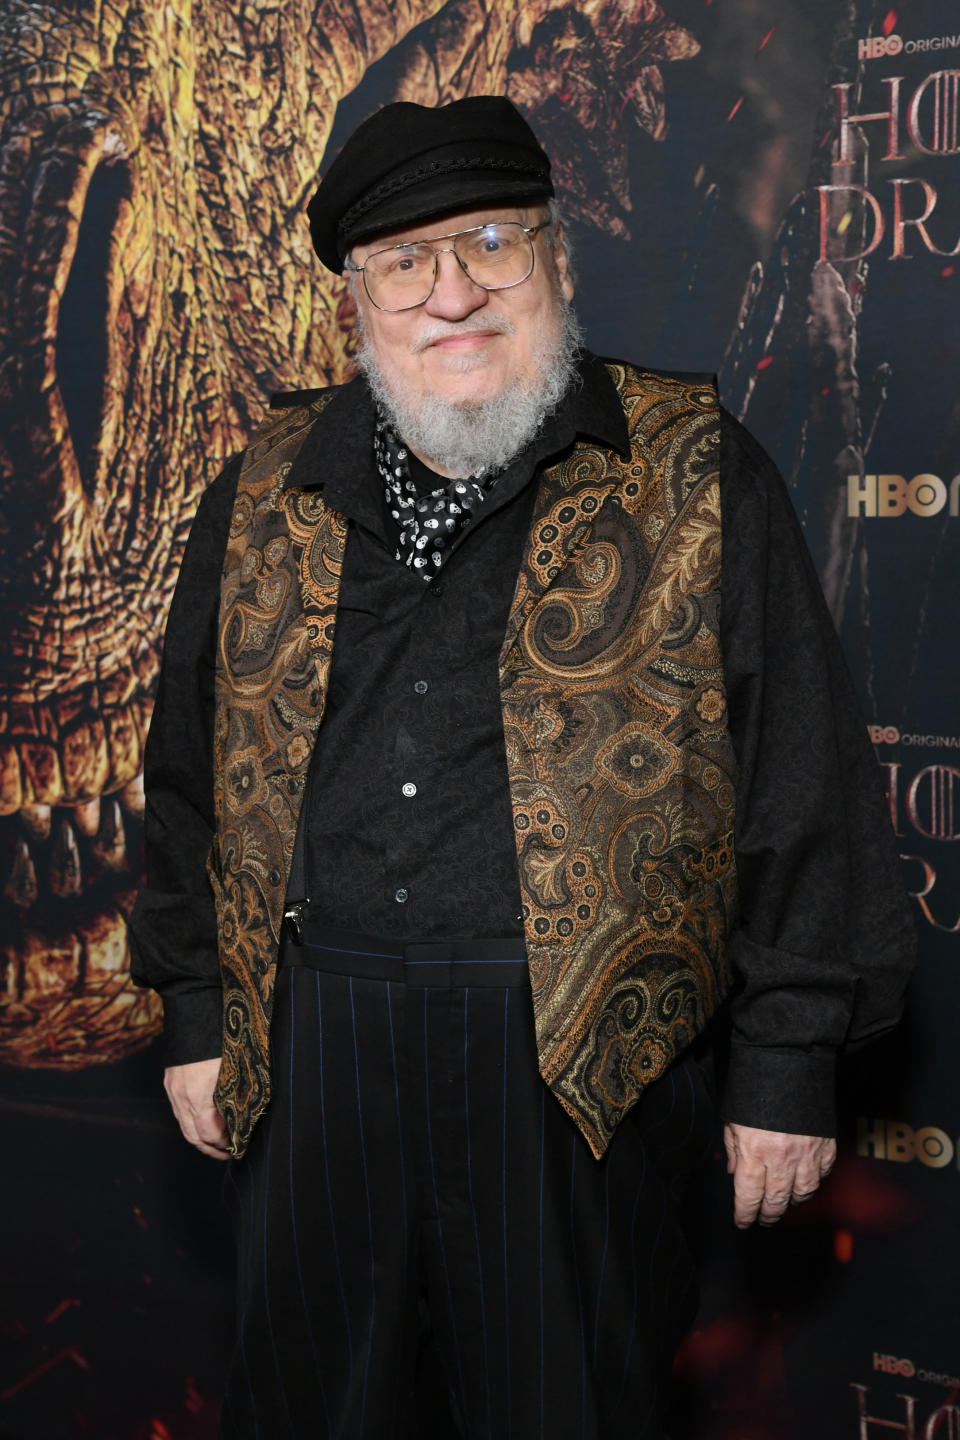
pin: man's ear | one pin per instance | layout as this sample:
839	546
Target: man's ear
563	268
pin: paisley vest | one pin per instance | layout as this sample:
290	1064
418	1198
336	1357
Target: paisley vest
620	764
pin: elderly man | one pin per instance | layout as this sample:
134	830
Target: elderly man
491	679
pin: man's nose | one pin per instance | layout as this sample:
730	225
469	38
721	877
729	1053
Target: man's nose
454	295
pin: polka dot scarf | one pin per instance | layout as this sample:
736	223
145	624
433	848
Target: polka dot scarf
429	524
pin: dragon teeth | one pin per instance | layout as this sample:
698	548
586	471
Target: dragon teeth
21	886
36	821
110	846
65	877
87	817
132	796
60	843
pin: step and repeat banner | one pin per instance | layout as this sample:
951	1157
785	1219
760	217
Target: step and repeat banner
766	188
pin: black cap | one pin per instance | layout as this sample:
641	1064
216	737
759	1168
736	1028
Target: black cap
407	162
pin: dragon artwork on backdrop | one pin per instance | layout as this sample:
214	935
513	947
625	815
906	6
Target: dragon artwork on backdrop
156	285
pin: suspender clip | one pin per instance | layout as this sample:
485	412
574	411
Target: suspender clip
293	921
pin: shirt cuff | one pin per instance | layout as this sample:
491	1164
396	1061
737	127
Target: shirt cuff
192	1022
782	1088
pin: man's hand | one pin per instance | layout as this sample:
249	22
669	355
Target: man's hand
190	1091
772	1170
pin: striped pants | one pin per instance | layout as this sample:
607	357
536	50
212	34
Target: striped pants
422	1230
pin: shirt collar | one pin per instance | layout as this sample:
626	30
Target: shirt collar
338	455
595	405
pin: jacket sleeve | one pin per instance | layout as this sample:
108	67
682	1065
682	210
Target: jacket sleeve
825	941
173	931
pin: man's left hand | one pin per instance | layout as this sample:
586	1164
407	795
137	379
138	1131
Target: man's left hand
772	1169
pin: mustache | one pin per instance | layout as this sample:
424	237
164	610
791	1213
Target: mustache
472	325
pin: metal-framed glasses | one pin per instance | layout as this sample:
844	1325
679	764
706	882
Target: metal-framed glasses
494	256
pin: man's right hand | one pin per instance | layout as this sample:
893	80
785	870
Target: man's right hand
190	1091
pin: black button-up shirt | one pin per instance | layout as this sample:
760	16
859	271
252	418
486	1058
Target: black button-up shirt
408	796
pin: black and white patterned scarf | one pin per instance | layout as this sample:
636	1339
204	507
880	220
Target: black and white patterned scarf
428	524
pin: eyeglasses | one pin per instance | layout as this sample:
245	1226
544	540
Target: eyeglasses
495	257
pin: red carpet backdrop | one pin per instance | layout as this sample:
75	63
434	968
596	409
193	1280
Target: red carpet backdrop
767	188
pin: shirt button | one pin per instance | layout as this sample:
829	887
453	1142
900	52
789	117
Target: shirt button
409	789
421	687
401	895
436	591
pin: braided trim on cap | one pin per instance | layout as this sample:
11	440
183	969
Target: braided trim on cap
410	177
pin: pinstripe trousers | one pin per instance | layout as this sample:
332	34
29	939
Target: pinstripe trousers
418	1214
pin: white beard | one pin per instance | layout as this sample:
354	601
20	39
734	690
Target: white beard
465	439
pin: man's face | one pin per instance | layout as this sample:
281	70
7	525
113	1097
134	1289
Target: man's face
466	345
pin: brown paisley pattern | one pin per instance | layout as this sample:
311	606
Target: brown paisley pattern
620	764
621	767
277	609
